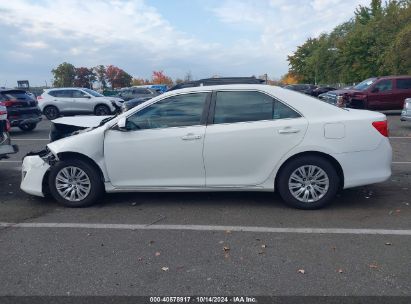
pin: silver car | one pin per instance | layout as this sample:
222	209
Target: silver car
56	102
406	111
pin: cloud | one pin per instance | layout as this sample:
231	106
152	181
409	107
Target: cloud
136	37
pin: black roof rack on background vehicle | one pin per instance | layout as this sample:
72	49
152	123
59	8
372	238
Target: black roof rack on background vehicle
217	81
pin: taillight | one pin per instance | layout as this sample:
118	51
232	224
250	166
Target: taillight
8	126
382	127
3	112
7	103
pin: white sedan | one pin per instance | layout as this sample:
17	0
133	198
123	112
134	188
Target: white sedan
217	138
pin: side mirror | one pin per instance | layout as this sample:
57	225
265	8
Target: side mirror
122	123
375	90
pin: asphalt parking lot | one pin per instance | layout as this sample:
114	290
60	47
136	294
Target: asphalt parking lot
208	243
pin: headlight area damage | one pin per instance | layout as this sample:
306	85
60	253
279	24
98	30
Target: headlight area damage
67	126
34	168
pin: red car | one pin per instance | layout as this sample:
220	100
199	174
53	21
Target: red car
378	93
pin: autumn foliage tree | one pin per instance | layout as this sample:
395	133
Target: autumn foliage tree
140	81
117	77
84	77
160	78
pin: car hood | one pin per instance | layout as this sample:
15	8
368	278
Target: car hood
80	121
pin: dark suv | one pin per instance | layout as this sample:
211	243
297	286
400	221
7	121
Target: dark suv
131	93
22	108
377	93
5	146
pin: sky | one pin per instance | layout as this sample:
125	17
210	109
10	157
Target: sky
203	37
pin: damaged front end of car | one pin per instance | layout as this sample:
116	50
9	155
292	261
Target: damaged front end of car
35	168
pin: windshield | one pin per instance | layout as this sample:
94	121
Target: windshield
362	86
93	93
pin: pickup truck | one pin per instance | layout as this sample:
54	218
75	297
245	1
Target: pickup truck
377	93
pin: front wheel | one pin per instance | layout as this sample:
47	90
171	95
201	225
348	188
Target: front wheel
75	183
102	110
26	127
308	182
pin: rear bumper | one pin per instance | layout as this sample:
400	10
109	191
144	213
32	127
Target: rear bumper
406	115
8	149
366	167
15	122
33	171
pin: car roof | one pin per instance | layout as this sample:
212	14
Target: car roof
393	76
14	90
70	88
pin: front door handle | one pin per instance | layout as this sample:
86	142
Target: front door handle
191	136
288	131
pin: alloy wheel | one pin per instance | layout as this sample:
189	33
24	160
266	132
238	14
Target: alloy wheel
308	183
73	184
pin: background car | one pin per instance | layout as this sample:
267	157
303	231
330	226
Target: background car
377	93
56	102
136	92
321	90
302	88
127	105
5	146
406	111
246	137
22	109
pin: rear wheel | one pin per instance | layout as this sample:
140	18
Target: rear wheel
51	112
75	183
27	127
102	110
308	182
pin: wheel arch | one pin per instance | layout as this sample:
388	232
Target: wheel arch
67	156
331	159
76	155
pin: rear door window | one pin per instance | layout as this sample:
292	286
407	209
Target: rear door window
404	84
248	106
78	94
61	93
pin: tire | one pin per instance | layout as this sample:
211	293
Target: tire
28	127
102	110
85	189
51	112
298	191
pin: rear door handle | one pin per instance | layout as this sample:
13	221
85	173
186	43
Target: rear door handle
288	131
191	136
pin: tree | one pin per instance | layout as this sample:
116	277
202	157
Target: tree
160	78
117	77
188	77
64	75
375	42
84	77
100	72
140	81
289	79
